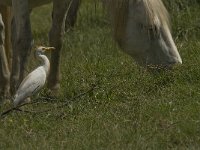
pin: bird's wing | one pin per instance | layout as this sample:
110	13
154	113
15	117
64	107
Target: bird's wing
33	82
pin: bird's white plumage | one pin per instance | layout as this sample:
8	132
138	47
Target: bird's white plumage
30	85
35	80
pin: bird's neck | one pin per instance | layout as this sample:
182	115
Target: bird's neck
45	63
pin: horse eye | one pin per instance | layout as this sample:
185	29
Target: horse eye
150	28
154	29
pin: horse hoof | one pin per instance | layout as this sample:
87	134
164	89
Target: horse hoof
53	93
5	100
53	90
4	95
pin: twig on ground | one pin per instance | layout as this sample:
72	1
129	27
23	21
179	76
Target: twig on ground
66	102
16	108
71	100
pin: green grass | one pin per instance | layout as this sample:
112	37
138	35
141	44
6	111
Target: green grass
130	109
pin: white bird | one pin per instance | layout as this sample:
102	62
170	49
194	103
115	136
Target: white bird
35	80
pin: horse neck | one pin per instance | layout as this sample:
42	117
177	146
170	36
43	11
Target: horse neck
119	10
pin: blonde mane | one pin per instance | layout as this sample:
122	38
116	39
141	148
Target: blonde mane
119	10
156	8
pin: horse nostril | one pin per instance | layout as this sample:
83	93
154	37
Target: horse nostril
177	61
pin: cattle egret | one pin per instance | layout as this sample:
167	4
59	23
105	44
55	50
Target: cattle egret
35	80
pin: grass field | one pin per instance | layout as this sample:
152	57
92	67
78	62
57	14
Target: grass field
130	108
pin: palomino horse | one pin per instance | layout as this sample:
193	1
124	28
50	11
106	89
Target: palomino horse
140	27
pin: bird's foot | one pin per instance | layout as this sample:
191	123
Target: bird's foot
27	100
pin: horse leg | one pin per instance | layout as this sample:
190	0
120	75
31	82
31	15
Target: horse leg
21	41
4	69
6	15
15	61
72	14
55	39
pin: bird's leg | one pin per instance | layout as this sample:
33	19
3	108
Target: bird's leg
72	14
21	41
55	39
4	69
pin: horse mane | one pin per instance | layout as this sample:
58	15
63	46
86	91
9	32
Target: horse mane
156	8
118	9
119	12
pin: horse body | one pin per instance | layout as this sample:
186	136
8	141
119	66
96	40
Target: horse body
32	3
141	28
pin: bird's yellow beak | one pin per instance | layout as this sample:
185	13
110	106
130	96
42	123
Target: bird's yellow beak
41	50
48	48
